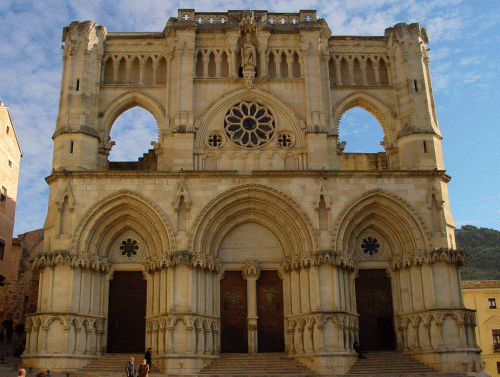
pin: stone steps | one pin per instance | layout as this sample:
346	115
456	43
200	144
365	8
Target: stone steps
388	363
256	364
111	365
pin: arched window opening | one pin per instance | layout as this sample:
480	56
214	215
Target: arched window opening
296	65
109	72
332	73
284	65
132	133
135	71
344	72
212	69
122	72
271	68
199	64
148	71
224	68
162	71
384	74
370	73
362	132
357	72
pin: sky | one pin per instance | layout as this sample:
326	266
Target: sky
464	42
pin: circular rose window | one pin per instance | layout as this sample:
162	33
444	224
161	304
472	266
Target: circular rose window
249	124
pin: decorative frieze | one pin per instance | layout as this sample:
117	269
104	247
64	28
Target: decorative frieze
335	258
199	260
436	255
81	260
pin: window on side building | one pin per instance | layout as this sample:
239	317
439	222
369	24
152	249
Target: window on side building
492	303
496	340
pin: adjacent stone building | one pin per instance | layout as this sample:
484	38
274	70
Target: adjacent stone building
246	228
10	158
484	297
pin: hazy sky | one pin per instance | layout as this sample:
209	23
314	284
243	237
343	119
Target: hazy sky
464	40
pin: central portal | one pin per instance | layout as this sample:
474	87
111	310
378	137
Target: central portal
127	312
374	303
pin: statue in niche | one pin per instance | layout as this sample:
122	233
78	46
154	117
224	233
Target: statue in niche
248	55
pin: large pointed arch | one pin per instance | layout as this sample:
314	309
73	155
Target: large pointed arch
128	100
389	215
275	104
258	204
373	105
118	213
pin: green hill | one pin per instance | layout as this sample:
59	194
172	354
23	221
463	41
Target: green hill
482	246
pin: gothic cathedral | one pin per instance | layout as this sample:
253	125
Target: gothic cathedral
246	227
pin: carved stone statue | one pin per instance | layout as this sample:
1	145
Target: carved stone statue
248	55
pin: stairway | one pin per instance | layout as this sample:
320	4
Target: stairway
112	365
391	363
237	364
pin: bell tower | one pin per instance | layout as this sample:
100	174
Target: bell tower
419	138
76	139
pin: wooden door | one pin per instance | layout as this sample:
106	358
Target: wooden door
270	325
127	312
374	304
233	313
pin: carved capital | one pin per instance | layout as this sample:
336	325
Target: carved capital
251	269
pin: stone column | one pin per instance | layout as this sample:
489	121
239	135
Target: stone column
251	273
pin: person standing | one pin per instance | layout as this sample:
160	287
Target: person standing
21	373
147	356
144	369
130	368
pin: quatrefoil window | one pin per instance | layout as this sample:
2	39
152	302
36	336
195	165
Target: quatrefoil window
129	248
215	140
285	140
370	245
249	124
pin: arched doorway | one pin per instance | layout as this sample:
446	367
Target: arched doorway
127	312
374	305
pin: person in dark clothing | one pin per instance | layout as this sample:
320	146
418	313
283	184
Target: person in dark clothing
9	329
356	347
130	368
147	356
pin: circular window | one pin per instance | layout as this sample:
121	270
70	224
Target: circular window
249	124
370	245
129	248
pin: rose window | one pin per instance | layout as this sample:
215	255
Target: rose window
129	247
249	124
370	245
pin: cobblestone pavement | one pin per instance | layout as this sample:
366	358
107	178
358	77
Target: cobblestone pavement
10	365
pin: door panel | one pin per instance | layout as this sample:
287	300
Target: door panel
233	312
374	304
270	325
127	312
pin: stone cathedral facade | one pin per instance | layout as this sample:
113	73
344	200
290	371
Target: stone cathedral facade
246	228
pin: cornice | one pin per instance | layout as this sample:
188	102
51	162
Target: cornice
315	174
